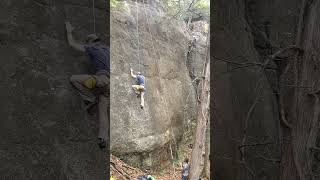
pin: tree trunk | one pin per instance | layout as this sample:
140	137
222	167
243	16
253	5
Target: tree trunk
206	168
188	24
300	160
199	141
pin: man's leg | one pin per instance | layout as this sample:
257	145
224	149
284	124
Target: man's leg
78	82
142	99
103	120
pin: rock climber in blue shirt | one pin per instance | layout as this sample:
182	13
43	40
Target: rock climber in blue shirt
94	88
139	88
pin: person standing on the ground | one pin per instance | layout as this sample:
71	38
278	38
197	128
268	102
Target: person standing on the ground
185	169
149	177
142	177
139	88
94	88
111	177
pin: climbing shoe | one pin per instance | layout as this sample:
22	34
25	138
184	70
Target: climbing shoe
141	106
102	143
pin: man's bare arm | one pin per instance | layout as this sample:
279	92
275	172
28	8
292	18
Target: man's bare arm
134	76
71	41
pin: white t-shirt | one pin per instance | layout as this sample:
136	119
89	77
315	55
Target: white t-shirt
185	171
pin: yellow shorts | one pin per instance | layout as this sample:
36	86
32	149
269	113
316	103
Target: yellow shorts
138	88
90	83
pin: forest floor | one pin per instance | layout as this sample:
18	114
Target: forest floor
123	171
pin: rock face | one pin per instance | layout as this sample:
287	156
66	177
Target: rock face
196	55
169	98
44	131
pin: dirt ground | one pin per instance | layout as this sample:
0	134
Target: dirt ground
122	171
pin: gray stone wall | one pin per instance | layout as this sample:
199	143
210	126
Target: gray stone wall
169	98
44	131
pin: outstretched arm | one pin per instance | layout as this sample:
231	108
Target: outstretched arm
72	42
134	76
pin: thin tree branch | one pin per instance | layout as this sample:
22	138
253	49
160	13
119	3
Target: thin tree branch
269	159
256	144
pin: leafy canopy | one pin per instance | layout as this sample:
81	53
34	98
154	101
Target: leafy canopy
183	9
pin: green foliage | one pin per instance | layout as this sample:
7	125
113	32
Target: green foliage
203	5
118	5
182	9
171	7
114	3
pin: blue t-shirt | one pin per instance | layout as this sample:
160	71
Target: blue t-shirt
99	57
140	79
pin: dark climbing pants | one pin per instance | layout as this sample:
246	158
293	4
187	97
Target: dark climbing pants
99	94
184	177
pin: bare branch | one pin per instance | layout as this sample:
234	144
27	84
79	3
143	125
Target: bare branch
247	167
256	144
313	148
281	51
284	119
269	159
190	5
